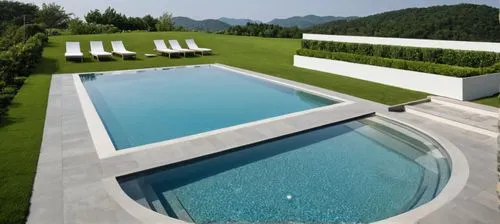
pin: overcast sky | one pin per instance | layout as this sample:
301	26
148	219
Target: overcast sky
262	10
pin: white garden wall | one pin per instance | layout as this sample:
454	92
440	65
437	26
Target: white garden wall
452	87
480	86
446	44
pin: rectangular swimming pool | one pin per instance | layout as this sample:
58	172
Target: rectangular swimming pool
143	107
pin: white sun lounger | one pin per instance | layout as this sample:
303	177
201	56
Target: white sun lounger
97	50
119	49
162	48
176	46
193	46
73	51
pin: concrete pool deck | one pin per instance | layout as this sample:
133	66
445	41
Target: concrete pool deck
74	185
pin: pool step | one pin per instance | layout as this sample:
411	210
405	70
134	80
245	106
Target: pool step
176	207
152	199
477	118
428	156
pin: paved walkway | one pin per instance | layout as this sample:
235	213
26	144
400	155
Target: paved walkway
72	184
487	122
477	202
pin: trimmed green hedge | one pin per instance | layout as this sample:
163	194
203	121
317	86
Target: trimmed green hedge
21	58
419	66
474	59
16	63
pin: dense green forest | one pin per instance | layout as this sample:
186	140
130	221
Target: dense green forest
456	22
264	30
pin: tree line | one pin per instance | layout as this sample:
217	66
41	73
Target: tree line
52	16
110	21
264	30
149	23
15	14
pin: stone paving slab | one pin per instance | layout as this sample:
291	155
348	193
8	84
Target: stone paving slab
148	158
47	198
477	202
482	121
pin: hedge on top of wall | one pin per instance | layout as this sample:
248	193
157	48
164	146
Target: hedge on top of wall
418	66
475	59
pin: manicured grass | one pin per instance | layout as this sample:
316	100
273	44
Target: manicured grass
493	101
20	138
20	135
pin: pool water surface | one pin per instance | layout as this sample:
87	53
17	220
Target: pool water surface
139	108
355	172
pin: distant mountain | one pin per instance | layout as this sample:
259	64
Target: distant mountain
467	22
306	21
211	25
237	22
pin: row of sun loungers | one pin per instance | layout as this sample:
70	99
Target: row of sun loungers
193	48
97	51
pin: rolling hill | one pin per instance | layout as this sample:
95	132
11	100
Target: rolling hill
211	25
306	21
237	22
467	22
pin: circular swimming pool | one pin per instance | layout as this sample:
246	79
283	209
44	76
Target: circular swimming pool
356	172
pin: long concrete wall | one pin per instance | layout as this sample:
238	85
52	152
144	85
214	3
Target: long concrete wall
452	87
445	44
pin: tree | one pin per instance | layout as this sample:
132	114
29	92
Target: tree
94	16
15	14
150	22
111	17
165	22
53	16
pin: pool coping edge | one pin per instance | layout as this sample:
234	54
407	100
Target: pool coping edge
102	141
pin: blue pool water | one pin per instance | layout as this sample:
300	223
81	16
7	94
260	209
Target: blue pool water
139	108
356	172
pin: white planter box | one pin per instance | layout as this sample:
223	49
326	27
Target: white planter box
445	44
457	88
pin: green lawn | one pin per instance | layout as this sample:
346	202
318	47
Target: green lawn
20	135
493	101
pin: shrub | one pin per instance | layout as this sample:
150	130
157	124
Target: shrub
78	27
5	99
19	81
419	66
9	90
474	59
2	84
54	32
29	30
3	113
20	59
